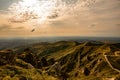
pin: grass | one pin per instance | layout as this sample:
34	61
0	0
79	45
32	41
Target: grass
73	57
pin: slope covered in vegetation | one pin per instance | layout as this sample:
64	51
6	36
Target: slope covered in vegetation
79	61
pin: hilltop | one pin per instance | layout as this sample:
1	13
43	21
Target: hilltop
79	61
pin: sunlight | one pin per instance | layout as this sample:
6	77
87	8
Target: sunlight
41	11
32	9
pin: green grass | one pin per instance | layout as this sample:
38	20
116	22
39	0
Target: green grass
73	57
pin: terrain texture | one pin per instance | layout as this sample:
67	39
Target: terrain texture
79	61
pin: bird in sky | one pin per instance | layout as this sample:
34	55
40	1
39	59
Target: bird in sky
33	30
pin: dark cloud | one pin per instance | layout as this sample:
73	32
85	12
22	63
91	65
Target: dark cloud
57	23
3	12
101	31
4	4
5	27
20	27
118	25
93	25
53	15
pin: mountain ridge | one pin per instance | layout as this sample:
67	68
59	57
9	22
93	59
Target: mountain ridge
81	61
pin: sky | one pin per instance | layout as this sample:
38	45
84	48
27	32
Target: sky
30	18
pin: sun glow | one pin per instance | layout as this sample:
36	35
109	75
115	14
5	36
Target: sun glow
32	9
41	11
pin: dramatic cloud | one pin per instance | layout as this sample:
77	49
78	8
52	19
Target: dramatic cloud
45	10
60	17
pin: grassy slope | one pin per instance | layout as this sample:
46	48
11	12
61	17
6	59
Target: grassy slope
73	57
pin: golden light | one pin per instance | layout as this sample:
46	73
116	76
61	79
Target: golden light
32	9
41	11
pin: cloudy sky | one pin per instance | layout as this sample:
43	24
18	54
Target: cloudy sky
70	18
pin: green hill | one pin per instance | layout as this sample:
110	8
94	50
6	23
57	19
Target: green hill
79	61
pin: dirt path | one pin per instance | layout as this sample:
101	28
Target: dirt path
110	63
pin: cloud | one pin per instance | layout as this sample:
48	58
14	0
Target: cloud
93	25
57	24
44	10
20	27
3	12
99	18
5	27
9	28
118	25
103	10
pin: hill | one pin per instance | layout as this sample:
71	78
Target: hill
79	61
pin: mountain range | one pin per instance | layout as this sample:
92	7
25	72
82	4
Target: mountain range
90	60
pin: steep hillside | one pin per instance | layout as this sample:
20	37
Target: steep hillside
79	61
